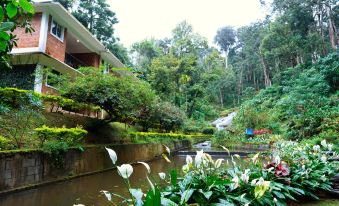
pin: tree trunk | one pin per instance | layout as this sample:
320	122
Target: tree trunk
266	75
331	29
221	98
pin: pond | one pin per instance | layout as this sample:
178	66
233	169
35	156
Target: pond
86	190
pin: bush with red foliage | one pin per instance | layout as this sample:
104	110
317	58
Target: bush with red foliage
262	131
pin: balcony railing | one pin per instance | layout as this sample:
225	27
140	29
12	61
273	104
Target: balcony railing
74	62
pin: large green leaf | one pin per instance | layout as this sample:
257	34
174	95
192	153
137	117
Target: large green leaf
4	35
174	177
6	26
12	10
186	195
3	45
153	198
2	14
25	5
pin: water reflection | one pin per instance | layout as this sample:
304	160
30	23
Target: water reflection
86	190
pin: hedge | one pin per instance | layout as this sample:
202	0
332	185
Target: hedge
72	136
154	137
15	98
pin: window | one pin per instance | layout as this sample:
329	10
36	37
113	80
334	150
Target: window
57	30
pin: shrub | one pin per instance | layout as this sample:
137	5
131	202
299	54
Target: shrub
72	136
159	137
4	143
18	99
56	151
208	130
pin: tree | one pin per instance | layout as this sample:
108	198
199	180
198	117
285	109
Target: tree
13	14
66	3
121	97
99	19
225	39
143	53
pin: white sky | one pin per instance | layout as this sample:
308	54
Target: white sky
140	19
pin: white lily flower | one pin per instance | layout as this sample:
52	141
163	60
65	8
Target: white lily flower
107	194
112	155
316	148
208	157
199	158
146	166
218	163
244	177
189	159
262	182
323	158
237	156
303	167
255	158
323	143
185	168
162	175
225	149
125	170
275	200
254	182
330	147
276	159
78	205
235	181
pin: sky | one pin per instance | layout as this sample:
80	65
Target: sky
141	19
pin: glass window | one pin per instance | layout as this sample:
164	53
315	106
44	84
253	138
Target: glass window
57	30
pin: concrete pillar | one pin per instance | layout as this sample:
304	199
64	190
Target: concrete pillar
38	78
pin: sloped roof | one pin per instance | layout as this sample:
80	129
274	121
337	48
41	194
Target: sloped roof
66	19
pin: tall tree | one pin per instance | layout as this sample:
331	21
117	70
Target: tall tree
99	19
225	39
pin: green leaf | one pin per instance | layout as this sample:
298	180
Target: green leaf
4	35
11	10
168	202
279	194
6	26
174	177
186	195
3	45
153	198
2	14
206	194
25	5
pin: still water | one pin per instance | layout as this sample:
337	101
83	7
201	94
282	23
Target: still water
86	190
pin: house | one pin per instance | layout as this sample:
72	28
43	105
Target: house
60	42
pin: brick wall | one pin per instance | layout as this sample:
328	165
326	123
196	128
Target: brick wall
55	47
89	59
27	40
48	90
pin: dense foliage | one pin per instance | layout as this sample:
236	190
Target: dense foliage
303	105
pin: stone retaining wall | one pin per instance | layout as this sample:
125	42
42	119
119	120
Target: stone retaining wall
21	169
